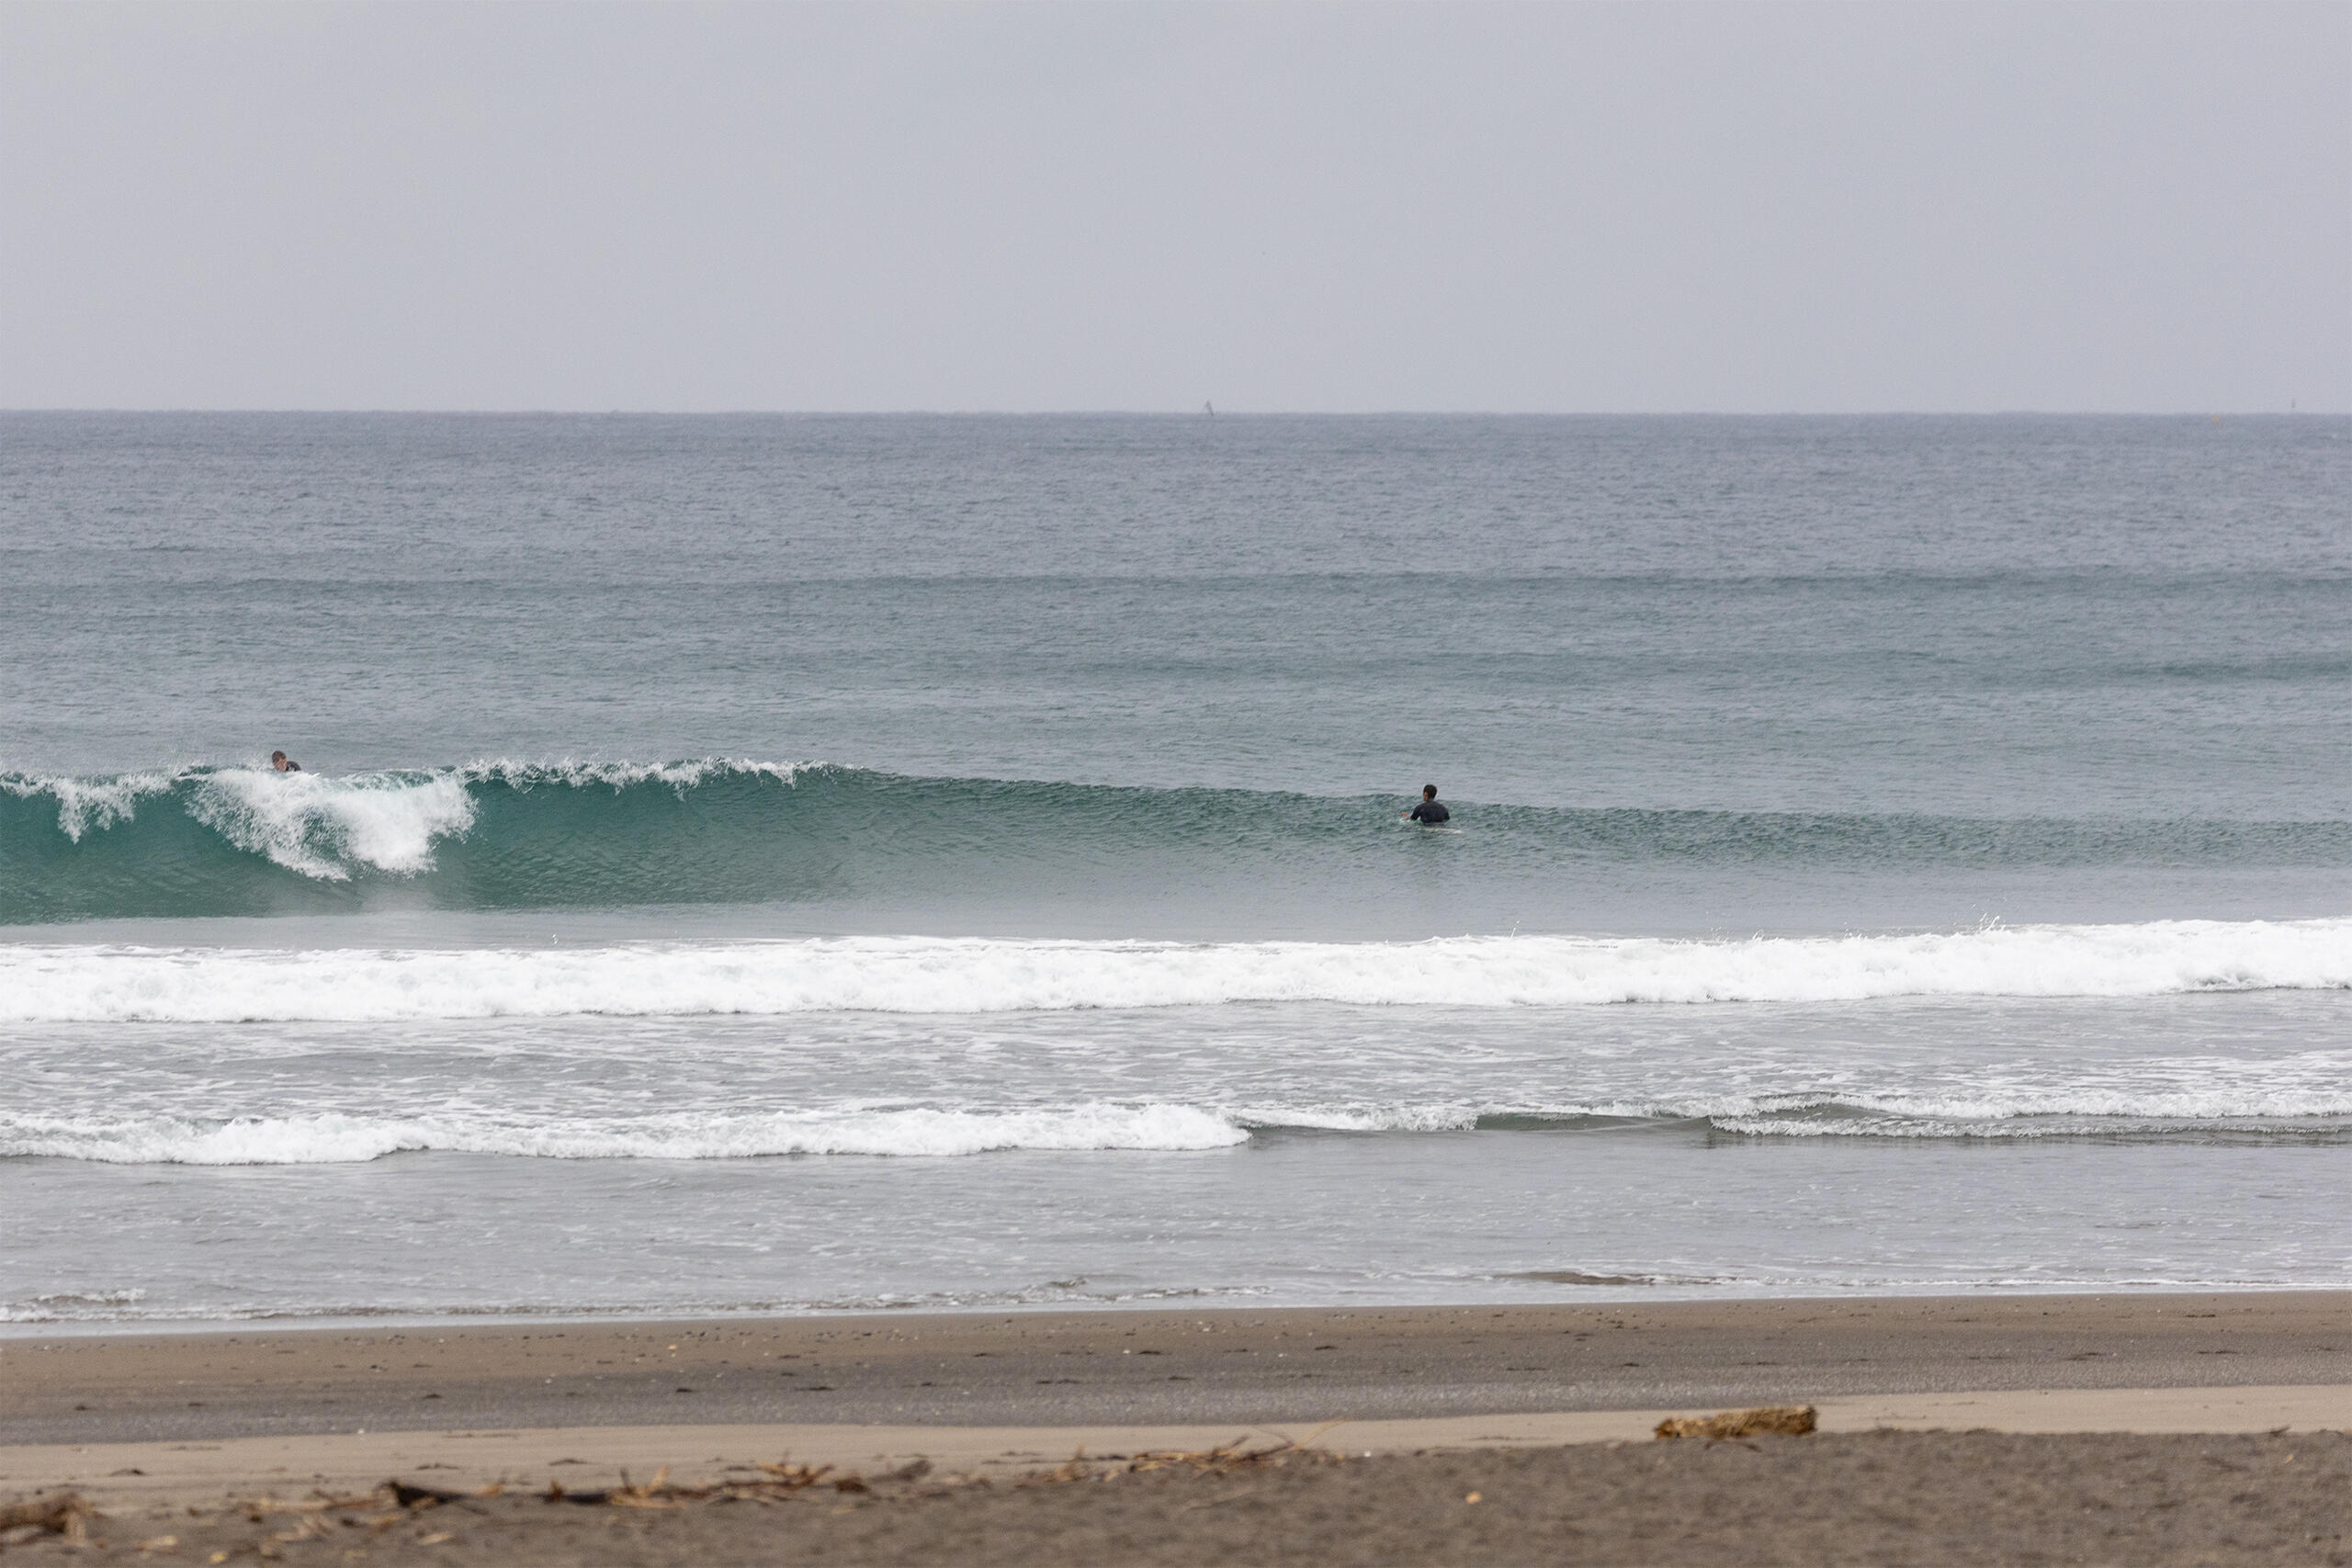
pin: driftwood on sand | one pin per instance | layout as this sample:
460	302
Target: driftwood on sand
1764	1420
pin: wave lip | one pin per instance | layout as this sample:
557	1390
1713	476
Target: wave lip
327	828
57	984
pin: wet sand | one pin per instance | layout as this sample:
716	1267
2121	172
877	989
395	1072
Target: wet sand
1151	1368
2138	1428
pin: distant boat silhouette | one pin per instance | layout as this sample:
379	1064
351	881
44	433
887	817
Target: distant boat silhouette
1209	409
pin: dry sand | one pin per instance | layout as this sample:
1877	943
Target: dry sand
2079	1394
170	1473
1888	1498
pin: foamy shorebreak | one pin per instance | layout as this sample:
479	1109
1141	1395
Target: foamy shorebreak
917	975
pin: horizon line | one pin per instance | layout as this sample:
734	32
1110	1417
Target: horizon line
1190	413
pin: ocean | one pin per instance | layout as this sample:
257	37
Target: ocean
769	864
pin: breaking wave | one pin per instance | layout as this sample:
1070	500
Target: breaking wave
337	1138
501	835
333	1138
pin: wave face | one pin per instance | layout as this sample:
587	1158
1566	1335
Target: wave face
44	984
220	841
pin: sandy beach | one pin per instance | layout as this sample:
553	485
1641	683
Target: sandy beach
1991	1430
1151	1368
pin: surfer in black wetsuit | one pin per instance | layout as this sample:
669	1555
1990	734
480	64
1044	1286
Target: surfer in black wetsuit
1430	812
280	761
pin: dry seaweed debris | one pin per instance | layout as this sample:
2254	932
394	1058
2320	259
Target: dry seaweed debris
773	1483
781	1478
66	1515
319	1502
1764	1420
1223	1459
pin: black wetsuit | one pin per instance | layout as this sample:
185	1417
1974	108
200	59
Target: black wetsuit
1429	813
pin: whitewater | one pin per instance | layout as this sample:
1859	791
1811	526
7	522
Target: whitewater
914	975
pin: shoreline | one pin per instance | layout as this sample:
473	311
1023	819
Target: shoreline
1152	1367
18	1331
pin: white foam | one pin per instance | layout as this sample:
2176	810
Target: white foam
2046	1126
2238	1101
1359	1117
330	1138
924	975
2022	1111
681	776
83	805
71	1306
327	827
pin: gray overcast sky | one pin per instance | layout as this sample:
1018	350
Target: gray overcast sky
1754	207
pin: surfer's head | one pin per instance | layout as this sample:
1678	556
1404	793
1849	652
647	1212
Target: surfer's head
277	761
1429	792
